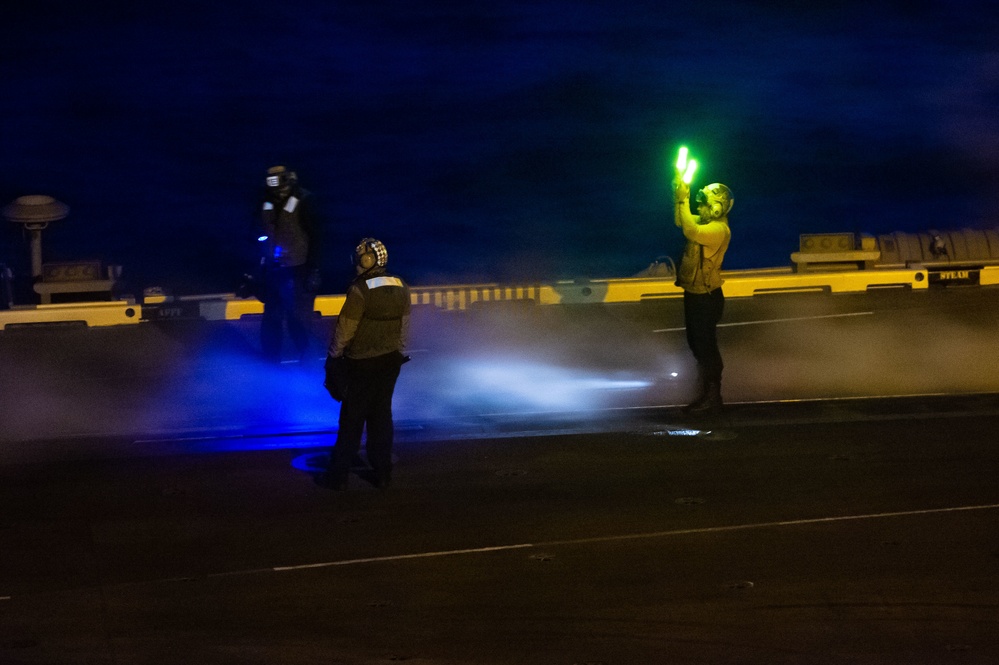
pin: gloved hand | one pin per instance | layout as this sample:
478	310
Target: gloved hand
681	191
335	380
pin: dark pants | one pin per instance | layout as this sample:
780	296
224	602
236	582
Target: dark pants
287	299
702	312
370	384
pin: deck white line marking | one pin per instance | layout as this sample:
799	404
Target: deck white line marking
768	525
404	557
558	543
623	537
787	320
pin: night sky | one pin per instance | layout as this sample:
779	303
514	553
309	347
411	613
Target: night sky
507	141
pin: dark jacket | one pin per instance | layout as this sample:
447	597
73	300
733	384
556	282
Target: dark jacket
374	319
292	229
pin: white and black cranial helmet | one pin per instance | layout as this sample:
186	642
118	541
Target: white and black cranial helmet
280	177
370	253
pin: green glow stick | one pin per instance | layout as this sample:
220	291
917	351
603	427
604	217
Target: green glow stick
688	175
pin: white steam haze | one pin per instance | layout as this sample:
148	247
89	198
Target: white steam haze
521	359
930	348
149	381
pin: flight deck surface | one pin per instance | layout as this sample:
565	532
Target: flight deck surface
551	503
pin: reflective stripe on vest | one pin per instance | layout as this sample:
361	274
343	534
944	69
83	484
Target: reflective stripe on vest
384	280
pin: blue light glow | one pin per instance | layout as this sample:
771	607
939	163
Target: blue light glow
516	384
311	462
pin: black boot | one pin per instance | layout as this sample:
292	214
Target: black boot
383	478
338	482
702	394
335	478
711	402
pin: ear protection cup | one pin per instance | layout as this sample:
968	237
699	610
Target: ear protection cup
717	198
370	253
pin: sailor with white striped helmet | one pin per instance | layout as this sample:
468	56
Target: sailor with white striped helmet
367	352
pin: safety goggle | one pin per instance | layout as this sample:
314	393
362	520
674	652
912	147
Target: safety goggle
273	181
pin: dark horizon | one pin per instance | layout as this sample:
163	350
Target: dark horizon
515	142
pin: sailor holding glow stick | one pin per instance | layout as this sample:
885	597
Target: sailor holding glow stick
707	234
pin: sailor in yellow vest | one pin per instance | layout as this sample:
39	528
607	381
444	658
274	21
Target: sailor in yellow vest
708	236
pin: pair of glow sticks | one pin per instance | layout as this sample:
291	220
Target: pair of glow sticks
685	168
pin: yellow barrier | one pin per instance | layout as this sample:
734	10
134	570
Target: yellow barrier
631	289
329	305
738	284
850	281
989	276
231	308
636	289
462	296
235	309
114	313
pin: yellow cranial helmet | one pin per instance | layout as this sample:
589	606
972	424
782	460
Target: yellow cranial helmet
718	198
